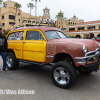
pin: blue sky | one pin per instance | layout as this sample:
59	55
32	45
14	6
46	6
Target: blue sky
83	9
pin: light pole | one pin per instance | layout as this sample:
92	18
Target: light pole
80	32
93	30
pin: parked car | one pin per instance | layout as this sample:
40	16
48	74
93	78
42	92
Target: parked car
49	46
98	39
67	36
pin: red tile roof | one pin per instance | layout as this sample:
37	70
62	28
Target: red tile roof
90	22
14	8
7	12
81	30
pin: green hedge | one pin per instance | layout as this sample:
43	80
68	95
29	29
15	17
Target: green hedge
6	32
72	36
5	35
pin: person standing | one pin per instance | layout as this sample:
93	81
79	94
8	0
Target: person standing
91	36
3	50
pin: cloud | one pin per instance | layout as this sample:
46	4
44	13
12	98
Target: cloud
83	9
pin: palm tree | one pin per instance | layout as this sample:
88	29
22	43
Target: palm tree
60	16
0	4
57	19
17	5
65	18
3	4
36	9
30	5
20	13
74	16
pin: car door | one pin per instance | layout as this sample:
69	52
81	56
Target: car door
15	43
34	46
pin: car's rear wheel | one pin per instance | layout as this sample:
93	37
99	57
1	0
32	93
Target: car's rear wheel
63	74
11	61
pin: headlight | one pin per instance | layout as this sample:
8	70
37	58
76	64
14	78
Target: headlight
84	49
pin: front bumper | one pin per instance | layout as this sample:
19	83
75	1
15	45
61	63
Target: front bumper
91	60
91	67
89	56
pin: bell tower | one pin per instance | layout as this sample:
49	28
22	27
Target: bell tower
46	12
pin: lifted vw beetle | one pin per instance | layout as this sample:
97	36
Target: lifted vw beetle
48	45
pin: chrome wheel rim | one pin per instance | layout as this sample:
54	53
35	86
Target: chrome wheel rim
61	75
9	61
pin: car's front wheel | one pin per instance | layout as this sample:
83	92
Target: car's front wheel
82	71
63	74
11	61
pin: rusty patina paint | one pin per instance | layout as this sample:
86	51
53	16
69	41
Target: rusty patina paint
73	47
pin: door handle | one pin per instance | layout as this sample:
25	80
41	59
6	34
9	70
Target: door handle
23	42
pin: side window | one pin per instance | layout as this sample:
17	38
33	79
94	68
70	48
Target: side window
16	36
34	35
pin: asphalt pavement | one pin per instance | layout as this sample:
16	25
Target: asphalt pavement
37	78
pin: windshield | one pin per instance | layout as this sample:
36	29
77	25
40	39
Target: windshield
54	34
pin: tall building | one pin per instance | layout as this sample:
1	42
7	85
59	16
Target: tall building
84	29
46	12
11	18
62	22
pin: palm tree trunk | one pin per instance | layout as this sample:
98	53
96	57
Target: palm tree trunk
61	23
16	14
21	16
20	20
30	13
0	7
15	17
16	10
57	24
36	11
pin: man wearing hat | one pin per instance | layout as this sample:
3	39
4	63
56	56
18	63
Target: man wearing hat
3	49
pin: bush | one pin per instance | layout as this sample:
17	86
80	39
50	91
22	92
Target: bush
72	36
6	32
5	35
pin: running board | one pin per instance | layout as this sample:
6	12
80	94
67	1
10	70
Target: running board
30	62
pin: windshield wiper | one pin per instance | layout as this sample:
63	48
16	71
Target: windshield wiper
55	38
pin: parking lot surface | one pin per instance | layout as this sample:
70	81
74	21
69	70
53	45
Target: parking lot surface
37	78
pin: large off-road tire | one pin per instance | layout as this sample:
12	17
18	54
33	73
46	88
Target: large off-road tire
82	71
63	74
11	61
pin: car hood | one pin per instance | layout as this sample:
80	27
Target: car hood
91	45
